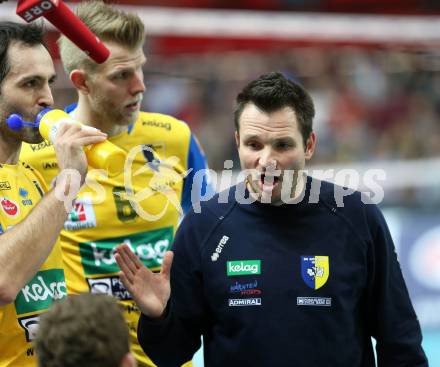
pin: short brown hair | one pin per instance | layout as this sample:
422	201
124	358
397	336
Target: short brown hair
107	23
273	91
10	32
86	330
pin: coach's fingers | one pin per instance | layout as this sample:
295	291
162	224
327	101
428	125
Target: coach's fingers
129	256
127	283
126	271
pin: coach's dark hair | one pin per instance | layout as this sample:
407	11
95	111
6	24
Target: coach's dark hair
273	91
29	34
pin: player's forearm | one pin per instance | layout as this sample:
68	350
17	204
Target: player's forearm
25	247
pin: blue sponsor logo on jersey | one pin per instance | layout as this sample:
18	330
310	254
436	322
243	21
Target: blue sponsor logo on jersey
315	270
24	194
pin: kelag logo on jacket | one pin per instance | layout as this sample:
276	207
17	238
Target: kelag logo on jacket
38	294
315	270
98	257
243	267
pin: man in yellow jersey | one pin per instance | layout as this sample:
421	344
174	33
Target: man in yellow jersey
31	276
141	206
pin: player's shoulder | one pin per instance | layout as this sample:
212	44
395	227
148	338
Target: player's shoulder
26	167
336	195
161	124
22	166
217	207
359	208
31	173
36	149
41	156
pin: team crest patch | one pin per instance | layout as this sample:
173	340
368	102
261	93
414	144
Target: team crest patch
315	270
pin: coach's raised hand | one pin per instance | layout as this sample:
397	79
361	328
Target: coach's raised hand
151	291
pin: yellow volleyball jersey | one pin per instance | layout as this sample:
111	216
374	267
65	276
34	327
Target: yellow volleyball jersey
139	207
20	190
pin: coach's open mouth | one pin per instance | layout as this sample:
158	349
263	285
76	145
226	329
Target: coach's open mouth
268	182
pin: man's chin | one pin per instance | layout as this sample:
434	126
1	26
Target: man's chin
264	194
126	121
129	118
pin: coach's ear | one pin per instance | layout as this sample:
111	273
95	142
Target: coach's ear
79	80
128	360
237	139
310	146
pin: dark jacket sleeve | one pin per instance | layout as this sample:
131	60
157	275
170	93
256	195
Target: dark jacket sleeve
393	321
172	341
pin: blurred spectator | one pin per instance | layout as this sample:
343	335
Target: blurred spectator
378	104
84	330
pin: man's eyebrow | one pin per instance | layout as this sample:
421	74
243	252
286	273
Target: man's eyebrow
26	78
121	69
37	77
284	139
250	137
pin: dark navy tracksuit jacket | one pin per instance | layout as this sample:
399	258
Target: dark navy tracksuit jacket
297	285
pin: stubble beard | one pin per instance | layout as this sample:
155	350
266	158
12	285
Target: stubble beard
27	134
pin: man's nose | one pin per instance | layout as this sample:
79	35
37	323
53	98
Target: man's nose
137	84
45	99
267	159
